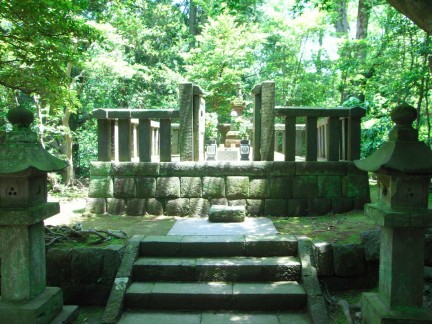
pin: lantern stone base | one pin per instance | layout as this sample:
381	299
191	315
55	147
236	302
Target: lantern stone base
45	308
375	311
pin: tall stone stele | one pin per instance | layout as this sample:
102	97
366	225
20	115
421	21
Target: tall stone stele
404	167
23	208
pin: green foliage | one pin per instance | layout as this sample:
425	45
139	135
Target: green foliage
86	138
224	56
211	123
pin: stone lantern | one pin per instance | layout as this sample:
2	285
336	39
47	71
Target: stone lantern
404	167
23	208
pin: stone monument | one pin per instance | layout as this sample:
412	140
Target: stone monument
404	167
23	208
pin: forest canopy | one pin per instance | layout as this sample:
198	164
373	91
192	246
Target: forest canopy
62	59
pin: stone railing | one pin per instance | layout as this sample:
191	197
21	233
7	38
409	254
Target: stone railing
133	133
331	133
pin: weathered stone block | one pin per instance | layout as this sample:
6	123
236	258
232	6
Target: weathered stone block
342	205
282	168
297	207
276	207
280	187
111	262
259	188
218	201
154	206
58	266
237	202
304	187
145	187
355	186
218	169
101	187
135	207
124	187
213	187
135	169
323	254
321	168
86	265
181	169
168	187
100	169
116	206
428	250
226	214
348	260
96	205
177	207
190	187
329	187
199	207
255	207
319	206
359	203
370	241
237	187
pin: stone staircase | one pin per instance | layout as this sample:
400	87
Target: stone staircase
215	279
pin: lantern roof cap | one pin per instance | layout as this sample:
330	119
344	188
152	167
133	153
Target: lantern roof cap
403	152
22	151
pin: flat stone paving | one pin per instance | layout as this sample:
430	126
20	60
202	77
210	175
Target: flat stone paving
201	226
214	318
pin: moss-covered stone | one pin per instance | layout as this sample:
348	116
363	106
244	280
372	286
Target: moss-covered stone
281	187
168	187
255	207
341	205
177	207
348	260
124	187
145	187
321	168
259	188
304	187
319	206
213	187
101	169
227	214
96	205
154	206
116	206
199	207
237	187
190	187
218	201
355	186
329	186
237	202
276	207
101	187
135	169
297	207
282	168
135	207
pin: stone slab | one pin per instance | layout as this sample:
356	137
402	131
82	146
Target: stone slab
201	226
68	314
227	214
160	318
28	216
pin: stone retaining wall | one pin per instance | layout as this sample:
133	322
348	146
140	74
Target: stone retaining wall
190	188
86	275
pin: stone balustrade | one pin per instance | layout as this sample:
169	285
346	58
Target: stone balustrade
138	134
331	133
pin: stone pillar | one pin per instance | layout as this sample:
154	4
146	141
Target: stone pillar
165	140
145	140
104	139
23	208
403	166
311	138
354	133
257	123
332	138
186	137
198	123
124	140
267	120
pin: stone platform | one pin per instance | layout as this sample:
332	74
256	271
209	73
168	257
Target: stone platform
202	226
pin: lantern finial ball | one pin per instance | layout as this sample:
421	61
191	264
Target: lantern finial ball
403	115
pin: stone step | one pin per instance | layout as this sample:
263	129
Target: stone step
227	214
263	296
133	317
215	245
217	269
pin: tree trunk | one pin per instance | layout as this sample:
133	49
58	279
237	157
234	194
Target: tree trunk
192	22
69	174
363	13
341	21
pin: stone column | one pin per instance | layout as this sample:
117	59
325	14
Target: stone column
198	123
267	120
186	137
145	140
311	138
165	140
290	138
333	134
257	123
